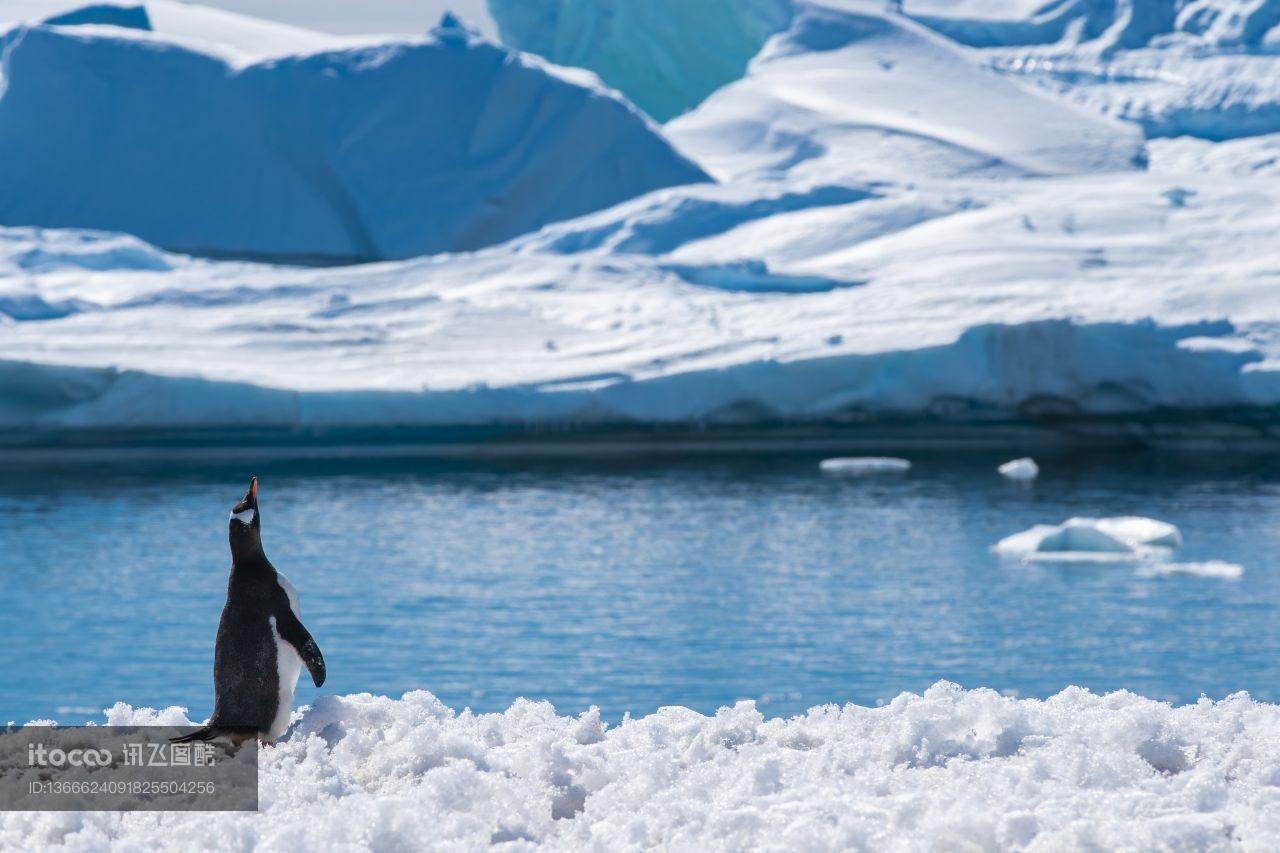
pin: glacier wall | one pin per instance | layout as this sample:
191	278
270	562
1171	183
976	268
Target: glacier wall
665	55
446	143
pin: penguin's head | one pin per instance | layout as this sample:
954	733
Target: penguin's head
244	515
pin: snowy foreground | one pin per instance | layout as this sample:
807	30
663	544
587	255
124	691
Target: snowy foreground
952	769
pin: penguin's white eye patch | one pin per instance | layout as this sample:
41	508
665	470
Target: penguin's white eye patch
245	516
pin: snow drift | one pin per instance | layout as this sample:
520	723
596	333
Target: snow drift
398	149
969	769
1104	27
850	91
1206	68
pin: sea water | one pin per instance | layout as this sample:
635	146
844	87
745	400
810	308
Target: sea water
633	584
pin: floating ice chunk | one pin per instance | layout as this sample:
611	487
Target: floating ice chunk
1077	536
863	465
1139	531
1206	569
1020	469
1094	539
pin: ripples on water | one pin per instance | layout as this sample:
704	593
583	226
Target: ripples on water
635	585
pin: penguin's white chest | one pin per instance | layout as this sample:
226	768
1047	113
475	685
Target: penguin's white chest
288	665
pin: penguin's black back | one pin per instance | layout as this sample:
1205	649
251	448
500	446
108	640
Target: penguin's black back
245	674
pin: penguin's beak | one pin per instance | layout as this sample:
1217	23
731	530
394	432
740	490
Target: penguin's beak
246	512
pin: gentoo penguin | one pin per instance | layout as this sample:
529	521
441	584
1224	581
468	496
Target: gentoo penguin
262	643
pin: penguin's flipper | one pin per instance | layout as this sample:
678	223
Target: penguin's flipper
295	634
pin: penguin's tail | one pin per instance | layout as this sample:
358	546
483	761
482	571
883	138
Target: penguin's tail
234	733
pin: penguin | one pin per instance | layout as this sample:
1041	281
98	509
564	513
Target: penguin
262	643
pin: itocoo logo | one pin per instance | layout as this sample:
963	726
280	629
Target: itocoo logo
38	755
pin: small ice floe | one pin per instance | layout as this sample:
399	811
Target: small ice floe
1122	539
1020	469
853	465
1207	569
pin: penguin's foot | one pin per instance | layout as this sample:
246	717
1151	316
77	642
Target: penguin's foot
235	735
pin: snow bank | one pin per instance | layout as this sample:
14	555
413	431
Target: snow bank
80	403
1105	27
1172	91
1094	539
403	148
32	251
952	767
857	465
847	90
1252	156
1207	68
1020	469
665	55
1077	307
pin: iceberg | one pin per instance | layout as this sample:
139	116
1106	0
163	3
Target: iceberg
980	770
1020	469
855	294
1094	540
390	150
1201	67
857	465
665	55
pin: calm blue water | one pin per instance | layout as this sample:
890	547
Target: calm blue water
632	586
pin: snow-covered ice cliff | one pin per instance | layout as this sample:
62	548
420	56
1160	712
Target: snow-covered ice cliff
1200	67
1129	297
390	150
953	768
